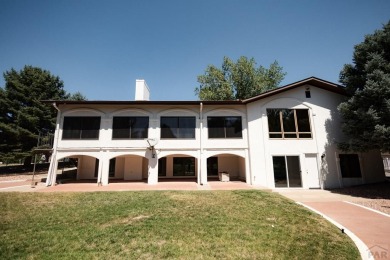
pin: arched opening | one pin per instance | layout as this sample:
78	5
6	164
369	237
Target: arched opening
177	167
128	168
77	168
226	167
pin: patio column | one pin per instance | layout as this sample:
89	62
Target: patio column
103	171
152	167
203	170
52	173
248	175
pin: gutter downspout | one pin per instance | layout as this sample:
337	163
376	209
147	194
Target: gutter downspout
319	162
49	181
200	137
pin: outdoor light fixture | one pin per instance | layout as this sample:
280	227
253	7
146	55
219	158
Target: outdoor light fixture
152	142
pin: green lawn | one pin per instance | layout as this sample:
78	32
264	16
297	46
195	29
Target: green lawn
246	224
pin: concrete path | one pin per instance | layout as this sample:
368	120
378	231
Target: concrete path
371	227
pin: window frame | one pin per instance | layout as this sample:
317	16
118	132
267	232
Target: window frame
130	128
288	134
179	134
80	128
225	127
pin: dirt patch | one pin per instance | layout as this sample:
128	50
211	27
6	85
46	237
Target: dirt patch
23	177
125	221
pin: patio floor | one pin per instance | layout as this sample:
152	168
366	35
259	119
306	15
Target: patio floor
139	186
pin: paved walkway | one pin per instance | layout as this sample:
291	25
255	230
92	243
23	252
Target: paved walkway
372	228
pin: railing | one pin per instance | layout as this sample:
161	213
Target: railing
45	141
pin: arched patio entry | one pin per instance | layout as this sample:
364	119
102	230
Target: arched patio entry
128	167
177	166
229	164
77	167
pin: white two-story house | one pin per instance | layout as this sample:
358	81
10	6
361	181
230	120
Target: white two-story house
284	138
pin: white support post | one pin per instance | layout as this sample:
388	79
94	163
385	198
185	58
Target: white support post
103	170
52	173
152	169
248	175
203	170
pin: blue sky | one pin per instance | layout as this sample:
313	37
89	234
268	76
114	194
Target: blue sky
101	47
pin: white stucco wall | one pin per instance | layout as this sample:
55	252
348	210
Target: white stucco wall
326	132
248	157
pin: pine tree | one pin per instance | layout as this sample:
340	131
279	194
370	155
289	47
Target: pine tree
22	114
366	114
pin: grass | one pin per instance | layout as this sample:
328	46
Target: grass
246	224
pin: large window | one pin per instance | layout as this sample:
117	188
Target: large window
183	166
85	127
289	123
224	127
349	165
130	127
178	127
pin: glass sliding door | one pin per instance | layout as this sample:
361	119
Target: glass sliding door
294	171
183	166
212	166
287	171
280	173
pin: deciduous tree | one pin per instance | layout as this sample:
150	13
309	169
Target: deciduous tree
238	80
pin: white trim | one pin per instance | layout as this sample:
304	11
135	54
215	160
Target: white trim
82	109
178	112
364	207
131	112
225	111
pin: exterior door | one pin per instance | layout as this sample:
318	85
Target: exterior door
287	171
312	176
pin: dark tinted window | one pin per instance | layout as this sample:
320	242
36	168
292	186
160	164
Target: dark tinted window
183	166
81	128
289	123
349	165
130	127
224	127
178	127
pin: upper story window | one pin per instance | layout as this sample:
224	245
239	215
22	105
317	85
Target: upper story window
81	127
289	123
178	127
224	126
130	127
